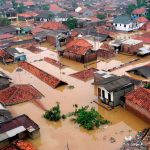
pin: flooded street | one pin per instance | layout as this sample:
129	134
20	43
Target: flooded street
56	136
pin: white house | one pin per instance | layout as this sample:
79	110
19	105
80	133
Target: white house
126	23
111	88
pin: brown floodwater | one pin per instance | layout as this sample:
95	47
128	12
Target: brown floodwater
56	136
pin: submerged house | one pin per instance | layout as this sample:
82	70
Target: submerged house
79	50
12	55
4	81
111	88
57	33
138	102
17	128
143	71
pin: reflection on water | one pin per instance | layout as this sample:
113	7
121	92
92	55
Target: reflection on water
55	136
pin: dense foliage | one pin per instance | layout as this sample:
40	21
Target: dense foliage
88	118
45	7
101	16
4	21
71	22
54	114
147	86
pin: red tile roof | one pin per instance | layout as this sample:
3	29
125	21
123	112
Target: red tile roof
56	8
42	75
142	19
146	26
6	36
29	3
27	14
139	11
80	43
18	94
53	26
2	53
144	37
141	97
36	30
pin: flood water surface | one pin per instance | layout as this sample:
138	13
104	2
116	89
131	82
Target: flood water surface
56	136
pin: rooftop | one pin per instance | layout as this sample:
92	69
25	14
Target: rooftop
141	97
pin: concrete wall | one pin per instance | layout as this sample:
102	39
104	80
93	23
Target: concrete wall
127	27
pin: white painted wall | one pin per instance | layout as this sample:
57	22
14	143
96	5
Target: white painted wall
127	27
106	94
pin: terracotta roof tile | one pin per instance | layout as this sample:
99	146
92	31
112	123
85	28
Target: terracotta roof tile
6	36
141	97
29	3
142	19
79	43
139	11
27	14
53	26
55	7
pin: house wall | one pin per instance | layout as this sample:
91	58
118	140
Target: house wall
126	27
131	49
118	94
139	111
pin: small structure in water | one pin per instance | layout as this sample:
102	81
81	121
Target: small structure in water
18	128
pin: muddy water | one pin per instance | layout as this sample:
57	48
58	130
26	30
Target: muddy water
55	136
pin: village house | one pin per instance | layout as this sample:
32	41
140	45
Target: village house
56	9
139	12
131	46
138	102
57	33
44	16
5	115
8	29
4	81
27	16
111	88
17	128
12	55
79	50
61	17
125	23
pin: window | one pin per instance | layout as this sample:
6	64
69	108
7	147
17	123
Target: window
116	25
125	25
103	93
109	96
120	24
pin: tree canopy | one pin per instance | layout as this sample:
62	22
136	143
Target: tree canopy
71	22
45	7
101	16
4	21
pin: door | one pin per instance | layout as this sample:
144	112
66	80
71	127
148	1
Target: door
99	93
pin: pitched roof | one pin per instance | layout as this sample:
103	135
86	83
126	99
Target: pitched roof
111	82
123	19
142	19
139	11
79	43
6	36
27	14
29	3
143	71
56	8
37	30
18	94
141	97
53	26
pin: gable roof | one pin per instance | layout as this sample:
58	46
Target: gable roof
110	81
56	8
6	36
143	71
141	97
123	19
142	20
139	11
54	26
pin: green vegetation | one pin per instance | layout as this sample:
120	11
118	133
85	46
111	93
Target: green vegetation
20	8
88	118
101	16
54	114
139	3
71	22
147	86
85	117
2	2
4	21
45	7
